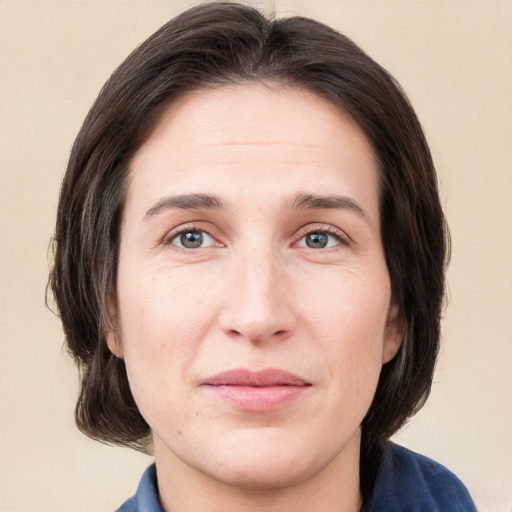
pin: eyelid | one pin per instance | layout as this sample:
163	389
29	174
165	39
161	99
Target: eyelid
340	235
185	228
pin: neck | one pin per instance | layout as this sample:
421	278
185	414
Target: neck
334	488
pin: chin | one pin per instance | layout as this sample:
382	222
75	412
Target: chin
256	473
263	462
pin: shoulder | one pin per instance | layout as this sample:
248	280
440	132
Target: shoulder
408	481
146	497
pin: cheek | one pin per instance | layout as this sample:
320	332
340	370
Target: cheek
162	306
353	308
348	321
163	322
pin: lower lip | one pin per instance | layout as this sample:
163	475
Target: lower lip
258	399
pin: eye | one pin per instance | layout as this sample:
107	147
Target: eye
320	240
192	239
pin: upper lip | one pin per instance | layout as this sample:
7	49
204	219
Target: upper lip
255	378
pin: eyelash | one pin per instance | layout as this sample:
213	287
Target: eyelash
331	231
173	235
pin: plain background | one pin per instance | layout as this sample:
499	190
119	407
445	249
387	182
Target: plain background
454	58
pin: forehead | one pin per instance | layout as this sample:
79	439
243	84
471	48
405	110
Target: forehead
246	135
255	113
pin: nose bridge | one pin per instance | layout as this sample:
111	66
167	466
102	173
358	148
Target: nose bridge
259	278
258	308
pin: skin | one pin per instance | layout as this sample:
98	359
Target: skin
254	295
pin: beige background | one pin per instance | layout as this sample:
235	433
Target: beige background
455	60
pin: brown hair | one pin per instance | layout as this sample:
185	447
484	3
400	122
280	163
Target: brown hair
223	43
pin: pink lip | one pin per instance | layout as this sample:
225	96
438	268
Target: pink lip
257	391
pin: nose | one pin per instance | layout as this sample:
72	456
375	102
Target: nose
259	307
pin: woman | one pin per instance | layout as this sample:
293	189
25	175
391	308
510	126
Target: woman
249	267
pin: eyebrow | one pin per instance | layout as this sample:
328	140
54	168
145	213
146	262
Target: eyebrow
301	201
334	202
186	202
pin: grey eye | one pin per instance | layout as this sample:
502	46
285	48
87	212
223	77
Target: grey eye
319	240
193	239
316	240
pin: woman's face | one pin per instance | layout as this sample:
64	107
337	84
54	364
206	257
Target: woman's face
253	294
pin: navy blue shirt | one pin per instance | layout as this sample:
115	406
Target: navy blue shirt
407	482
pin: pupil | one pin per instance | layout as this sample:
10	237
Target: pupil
316	240
192	239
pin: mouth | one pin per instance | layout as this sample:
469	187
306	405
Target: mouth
257	391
